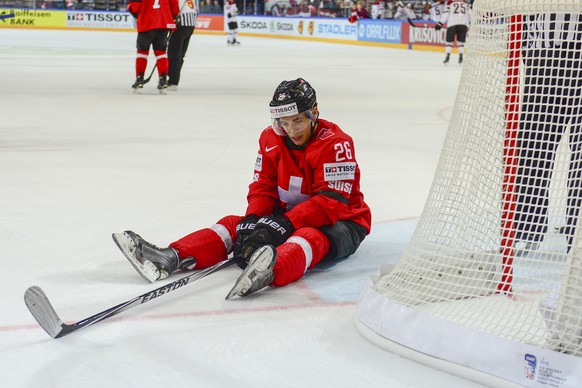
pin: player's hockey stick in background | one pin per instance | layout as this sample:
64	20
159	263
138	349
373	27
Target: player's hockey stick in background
7	16
145	81
411	22
46	316
418	26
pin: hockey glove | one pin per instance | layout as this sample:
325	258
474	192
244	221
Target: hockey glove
133	7
244	228
438	26
269	230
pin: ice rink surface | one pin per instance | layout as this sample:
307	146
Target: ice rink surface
82	157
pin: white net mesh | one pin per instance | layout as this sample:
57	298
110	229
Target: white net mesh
497	247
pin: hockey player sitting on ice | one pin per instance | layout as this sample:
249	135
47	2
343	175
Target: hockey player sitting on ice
304	205
457	17
230	14
154	19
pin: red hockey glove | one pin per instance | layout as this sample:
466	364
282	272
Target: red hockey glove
353	19
269	230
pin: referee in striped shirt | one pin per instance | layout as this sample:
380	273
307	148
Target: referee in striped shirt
551	102
179	41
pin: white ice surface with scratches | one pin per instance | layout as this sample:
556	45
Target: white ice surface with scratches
82	157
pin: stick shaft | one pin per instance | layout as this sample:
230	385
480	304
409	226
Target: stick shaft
42	310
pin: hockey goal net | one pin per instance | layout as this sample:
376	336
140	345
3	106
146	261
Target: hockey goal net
492	277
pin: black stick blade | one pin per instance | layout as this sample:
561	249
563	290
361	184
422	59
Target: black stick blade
42	310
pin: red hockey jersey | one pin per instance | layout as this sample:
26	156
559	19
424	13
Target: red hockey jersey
315	186
154	14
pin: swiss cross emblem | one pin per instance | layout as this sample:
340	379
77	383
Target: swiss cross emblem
293	196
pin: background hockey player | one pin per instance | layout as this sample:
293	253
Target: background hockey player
358	12
180	40
230	15
551	104
425	15
404	12
457	17
304	205
155	18
436	10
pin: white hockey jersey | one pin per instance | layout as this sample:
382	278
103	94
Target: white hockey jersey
457	12
403	13
436	10
230	11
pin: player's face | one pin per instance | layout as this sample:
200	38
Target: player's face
297	127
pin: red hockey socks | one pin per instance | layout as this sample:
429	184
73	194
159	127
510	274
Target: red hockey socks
141	62
210	245
205	245
303	250
162	61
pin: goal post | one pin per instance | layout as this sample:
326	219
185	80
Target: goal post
491	280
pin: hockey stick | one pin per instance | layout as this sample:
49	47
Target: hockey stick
412	24
7	16
46	316
145	81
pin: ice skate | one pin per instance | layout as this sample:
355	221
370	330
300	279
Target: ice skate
525	247
447	59
152	263
258	274
163	84
173	88
460	59
138	84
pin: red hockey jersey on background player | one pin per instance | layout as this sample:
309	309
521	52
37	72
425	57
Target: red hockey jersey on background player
315	185
154	14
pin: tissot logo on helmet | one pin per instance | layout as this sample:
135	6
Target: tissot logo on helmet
284	110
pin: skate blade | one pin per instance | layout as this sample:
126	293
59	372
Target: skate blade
137	90
258	262
163	91
147	269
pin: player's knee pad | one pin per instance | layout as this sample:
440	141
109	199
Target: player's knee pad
314	244
303	250
345	237
160	54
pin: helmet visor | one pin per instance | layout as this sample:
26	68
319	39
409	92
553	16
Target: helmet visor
295	126
288	126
